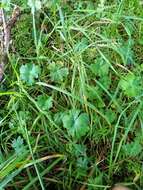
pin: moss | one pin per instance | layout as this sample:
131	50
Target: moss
23	42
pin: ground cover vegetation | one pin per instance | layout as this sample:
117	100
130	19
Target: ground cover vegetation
71	97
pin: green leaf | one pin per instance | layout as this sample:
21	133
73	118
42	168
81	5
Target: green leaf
82	162
133	149
105	81
100	67
76	123
29	72
18	145
94	94
59	75
82	45
23	118
126	52
45	102
76	149
58	118
111	115
57	72
82	166
130	85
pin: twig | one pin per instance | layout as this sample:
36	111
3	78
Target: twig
5	36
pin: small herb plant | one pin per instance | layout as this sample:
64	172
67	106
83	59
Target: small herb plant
71	97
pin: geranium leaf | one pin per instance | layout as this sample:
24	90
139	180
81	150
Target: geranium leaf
29	72
45	102
133	149
18	145
76	123
130	85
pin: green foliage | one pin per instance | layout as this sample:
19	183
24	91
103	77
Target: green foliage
131	85
29	72
77	150
6	4
133	149
111	115
126	51
34	5
82	45
94	182
16	124
44	102
79	122
1	157
18	145
57	72
100	67
23	41
76	123
82	167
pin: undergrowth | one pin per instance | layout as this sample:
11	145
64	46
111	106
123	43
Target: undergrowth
72	96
